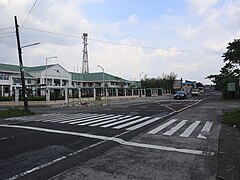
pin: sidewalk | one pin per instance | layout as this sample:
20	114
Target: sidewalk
77	101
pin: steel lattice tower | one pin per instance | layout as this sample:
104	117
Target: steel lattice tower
85	67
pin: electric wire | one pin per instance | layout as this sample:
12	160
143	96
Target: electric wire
1	37
7	33
3	29
25	21
122	44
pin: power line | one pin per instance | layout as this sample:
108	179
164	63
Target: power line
123	44
54	33
153	48
25	21
7	33
7	36
2	29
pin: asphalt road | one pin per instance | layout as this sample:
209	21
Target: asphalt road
147	137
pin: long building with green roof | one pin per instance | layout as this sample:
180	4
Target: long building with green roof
56	78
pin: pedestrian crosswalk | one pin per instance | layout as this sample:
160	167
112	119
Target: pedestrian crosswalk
127	122
183	128
180	100
172	127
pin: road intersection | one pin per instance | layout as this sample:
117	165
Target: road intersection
162	125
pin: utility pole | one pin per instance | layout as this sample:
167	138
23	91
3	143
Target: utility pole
21	65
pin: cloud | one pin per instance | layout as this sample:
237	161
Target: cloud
132	19
201	7
207	26
188	31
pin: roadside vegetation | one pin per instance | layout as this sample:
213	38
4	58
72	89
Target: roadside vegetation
14	112
230	72
232	118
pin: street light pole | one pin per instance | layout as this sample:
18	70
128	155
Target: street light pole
140	84
47	58
103	78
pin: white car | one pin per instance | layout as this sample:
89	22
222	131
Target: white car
195	92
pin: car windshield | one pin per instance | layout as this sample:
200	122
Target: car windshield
179	92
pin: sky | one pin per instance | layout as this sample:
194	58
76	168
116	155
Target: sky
128	38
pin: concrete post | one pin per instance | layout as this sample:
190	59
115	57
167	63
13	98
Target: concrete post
16	95
80	93
94	94
47	95
66	95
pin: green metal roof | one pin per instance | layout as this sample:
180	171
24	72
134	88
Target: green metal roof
37	68
8	67
89	77
15	68
93	77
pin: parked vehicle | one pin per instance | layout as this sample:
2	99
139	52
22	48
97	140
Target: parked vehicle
180	95
195	92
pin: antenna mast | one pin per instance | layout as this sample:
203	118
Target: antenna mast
85	67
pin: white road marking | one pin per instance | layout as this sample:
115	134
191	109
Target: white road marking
84	116
143	124
118	140
190	129
119	122
159	128
130	123
109	121
90	119
206	128
175	128
99	120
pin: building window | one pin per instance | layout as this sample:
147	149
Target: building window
29	81
17	81
4	76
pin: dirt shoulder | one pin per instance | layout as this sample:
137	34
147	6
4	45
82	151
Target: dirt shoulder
228	153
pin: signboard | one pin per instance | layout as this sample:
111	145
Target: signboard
231	86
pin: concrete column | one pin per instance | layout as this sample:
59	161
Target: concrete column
47	95
94	94
145	92
132	92
116	92
16	95
52	82
106	93
138	92
2	90
66	95
80	94
125	92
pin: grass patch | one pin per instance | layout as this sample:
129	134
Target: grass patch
14	112
232	118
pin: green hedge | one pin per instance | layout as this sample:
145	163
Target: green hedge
7	98
34	98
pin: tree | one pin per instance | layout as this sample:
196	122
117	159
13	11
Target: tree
230	71
165	81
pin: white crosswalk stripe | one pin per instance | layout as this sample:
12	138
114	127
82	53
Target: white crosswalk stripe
99	120
182	125
127	122
130	123
175	128
190	129
206	128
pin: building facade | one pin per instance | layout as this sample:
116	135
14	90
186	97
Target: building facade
56	79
